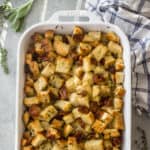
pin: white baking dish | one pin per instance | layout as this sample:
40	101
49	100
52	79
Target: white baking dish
66	27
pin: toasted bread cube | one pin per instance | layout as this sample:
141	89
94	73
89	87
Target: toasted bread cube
96	35
106	118
38	140
109	61
35	127
48	113
72	83
58	37
38	48
26	117
28	101
118	122
106	136
76	113
88	78
49	34
119	91
88	38
63	65
105	90
27	147
24	142
79	100
40	84
119	77
68	118
87	64
34	68
111	36
95	90
84	89
112	132
71	41
61	48
118	103
57	124
44	97
63	105
78	33
48	70
98	126
99	52
53	91
67	130
115	48
108	144
94	144
78	71
51	132
45	146
116	148
72	144
84	48
88	118
29	91
56	81
119	65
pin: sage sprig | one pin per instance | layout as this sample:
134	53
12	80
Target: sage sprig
3	60
17	15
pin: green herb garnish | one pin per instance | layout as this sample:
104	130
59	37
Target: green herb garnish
3	60
17	15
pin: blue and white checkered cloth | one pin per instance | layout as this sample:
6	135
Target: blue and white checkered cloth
133	17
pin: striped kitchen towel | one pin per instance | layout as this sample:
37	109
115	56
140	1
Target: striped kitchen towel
133	17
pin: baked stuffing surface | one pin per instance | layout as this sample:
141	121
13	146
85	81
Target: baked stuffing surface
73	93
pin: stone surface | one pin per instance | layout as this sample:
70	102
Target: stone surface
8	82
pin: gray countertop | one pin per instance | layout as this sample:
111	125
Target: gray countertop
8	82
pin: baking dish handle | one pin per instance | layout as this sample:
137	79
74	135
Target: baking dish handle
74	13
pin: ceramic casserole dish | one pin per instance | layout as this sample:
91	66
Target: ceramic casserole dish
66	28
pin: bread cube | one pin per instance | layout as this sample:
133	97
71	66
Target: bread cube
111	36
119	91
57	124
63	65
109	61
112	132
79	100
67	130
92	36
84	48
99	52
27	147
40	84
95	90
72	144
118	103
118	122
45	146
108	144
119	77
88	78
76	113
87	64
72	83
78	71
48	113
52	133
71	41
63	105
61	48
119	65
94	144
105	90
98	126
58	37
88	118
29	91
49	34
44	97
78	33
115	49
68	118
53	91
38	140
35	127
56	81
48	70
26	117
28	101
106	118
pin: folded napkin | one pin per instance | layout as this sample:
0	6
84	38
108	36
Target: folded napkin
133	17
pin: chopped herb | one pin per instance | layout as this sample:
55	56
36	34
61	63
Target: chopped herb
3	60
